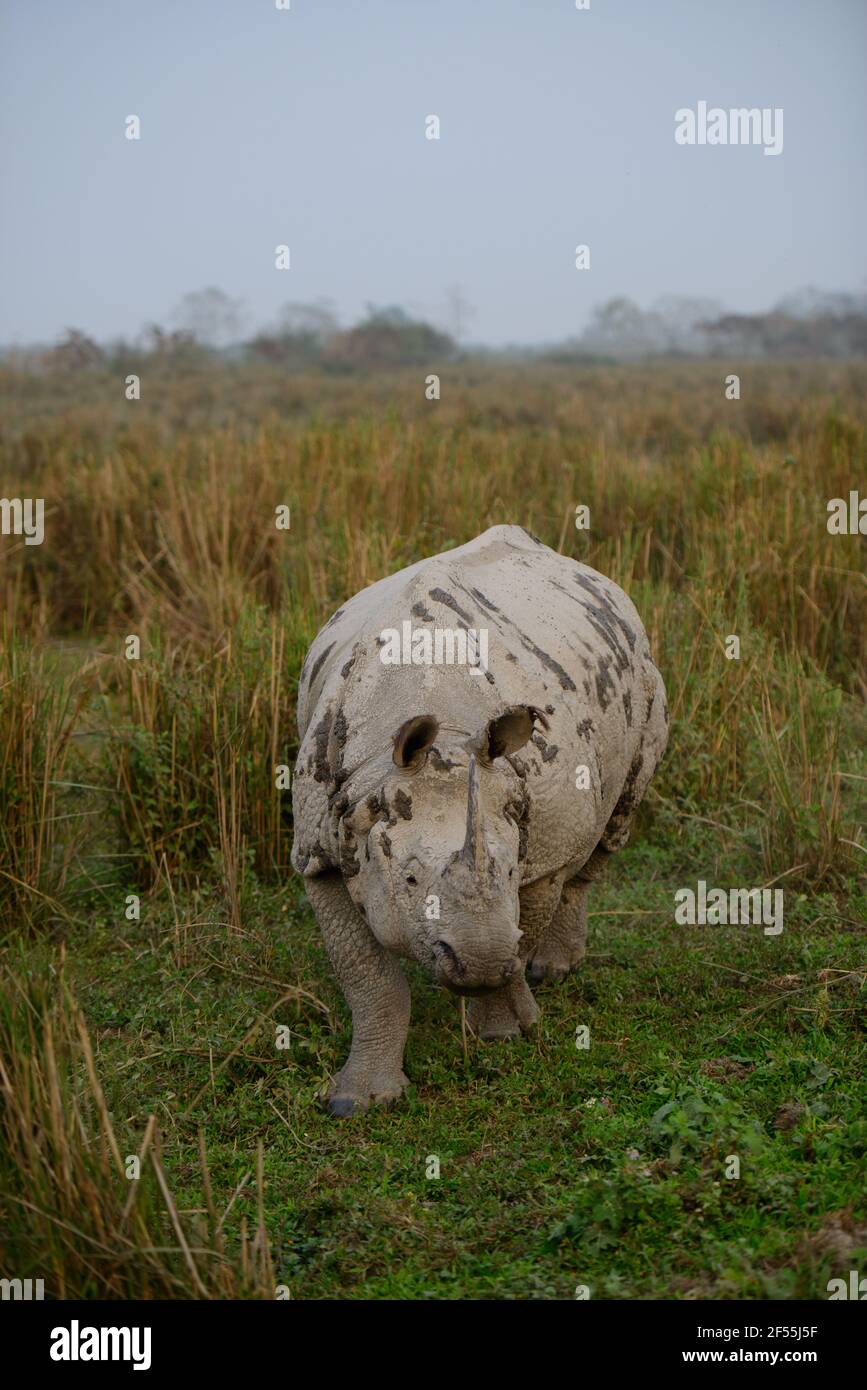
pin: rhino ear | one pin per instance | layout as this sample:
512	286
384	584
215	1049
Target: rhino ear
510	731
413	739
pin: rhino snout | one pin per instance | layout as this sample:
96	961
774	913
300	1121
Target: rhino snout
476	978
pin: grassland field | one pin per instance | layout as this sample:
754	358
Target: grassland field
153	937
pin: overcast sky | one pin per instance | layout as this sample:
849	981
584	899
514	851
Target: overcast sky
307	127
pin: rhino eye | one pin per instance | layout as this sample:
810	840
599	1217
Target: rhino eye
411	878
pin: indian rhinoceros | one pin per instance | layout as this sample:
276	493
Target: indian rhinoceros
455	811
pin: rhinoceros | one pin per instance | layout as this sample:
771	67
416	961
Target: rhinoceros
454	810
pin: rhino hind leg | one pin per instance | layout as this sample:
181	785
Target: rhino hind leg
564	941
654	738
504	1013
377	993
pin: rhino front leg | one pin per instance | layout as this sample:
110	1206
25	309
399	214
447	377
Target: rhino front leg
507	1012
377	993
562	944
564	941
539	902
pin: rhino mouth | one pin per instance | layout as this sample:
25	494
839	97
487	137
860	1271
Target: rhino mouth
470	991
456	986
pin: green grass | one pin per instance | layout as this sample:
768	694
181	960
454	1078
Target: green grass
558	1166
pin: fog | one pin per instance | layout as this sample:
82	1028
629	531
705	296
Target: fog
308	128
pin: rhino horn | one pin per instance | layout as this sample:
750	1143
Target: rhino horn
473	852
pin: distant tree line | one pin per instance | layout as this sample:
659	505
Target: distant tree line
208	325
304	336
808	324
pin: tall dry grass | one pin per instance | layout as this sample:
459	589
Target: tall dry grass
39	709
711	513
196	733
72	1210
148	524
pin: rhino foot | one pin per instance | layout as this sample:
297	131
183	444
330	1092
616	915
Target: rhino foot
504	1014
542	971
349	1094
492	1024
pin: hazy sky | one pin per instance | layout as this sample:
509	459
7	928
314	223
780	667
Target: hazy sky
307	127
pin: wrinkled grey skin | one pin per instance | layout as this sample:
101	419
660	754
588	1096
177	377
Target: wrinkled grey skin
437	815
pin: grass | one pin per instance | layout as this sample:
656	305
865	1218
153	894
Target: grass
557	1166
156	948
94	1219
